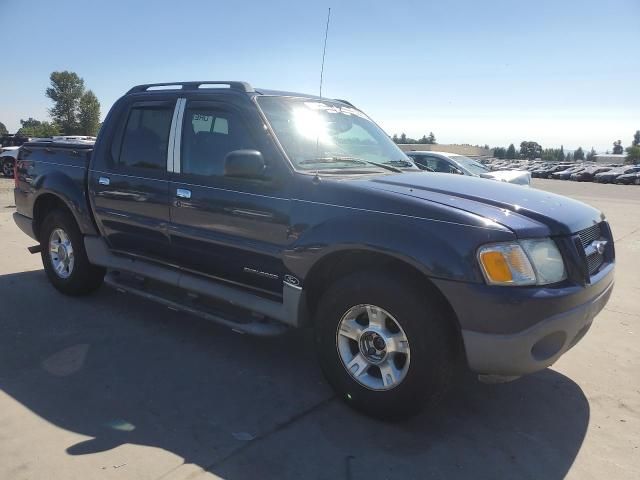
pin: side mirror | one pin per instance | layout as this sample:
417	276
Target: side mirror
244	164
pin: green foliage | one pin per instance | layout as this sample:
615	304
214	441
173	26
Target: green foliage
65	91
530	150
425	140
3	129
636	139
500	152
617	147
89	114
591	155
578	154
633	154
511	152
35	128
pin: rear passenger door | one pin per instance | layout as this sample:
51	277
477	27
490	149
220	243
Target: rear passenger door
232	229
131	189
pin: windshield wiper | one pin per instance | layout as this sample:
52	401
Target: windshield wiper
339	159
400	163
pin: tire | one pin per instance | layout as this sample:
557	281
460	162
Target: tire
7	167
79	277
433	349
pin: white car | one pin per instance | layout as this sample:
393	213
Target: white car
8	157
453	163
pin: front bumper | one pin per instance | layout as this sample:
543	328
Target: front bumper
535	348
519	331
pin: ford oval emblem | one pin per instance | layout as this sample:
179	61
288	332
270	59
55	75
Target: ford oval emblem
291	280
600	246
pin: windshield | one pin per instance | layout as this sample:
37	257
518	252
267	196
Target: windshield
326	135
472	166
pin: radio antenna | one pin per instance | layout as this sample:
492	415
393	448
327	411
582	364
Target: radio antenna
324	50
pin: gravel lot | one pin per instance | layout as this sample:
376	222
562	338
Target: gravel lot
111	386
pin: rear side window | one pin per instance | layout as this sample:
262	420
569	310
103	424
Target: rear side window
146	137
208	135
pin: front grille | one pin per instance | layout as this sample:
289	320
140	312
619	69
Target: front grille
590	234
587	236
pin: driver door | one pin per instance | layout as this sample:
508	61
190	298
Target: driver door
231	229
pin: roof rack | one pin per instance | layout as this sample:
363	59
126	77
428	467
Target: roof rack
234	85
344	101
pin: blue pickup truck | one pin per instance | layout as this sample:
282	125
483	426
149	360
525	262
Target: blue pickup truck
265	210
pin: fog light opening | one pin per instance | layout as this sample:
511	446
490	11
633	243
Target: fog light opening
548	346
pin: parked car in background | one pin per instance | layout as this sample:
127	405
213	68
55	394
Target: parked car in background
588	174
265	210
628	179
546	172
8	157
566	174
444	162
611	175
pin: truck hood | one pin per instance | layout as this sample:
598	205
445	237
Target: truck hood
520	209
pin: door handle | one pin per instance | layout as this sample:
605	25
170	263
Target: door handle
104	181
183	193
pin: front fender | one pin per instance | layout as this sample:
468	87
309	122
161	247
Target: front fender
439	249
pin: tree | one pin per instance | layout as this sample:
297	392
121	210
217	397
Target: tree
89	114
35	128
423	140
636	139
578	154
511	152
403	138
569	157
432	138
633	154
500	152
591	156
3	129
530	150
617	147
395	138
560	155
65	91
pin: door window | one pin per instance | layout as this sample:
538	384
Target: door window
208	135
146	137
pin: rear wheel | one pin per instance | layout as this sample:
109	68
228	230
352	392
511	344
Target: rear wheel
7	167
386	346
64	257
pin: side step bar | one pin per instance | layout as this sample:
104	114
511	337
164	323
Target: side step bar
258	328
290	311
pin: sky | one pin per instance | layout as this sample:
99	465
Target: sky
559	72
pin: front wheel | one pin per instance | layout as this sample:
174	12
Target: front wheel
64	257
386	346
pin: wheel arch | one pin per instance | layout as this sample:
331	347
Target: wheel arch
45	204
338	264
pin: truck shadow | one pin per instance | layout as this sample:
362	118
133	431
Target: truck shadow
124	371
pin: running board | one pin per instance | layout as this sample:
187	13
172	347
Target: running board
253	326
291	311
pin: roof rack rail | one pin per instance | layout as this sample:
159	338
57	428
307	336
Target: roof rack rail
234	85
344	101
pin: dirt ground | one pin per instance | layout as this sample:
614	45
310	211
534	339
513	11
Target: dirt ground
114	387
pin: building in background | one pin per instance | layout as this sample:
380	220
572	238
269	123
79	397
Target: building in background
466	150
610	158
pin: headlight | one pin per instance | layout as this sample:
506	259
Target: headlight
527	262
